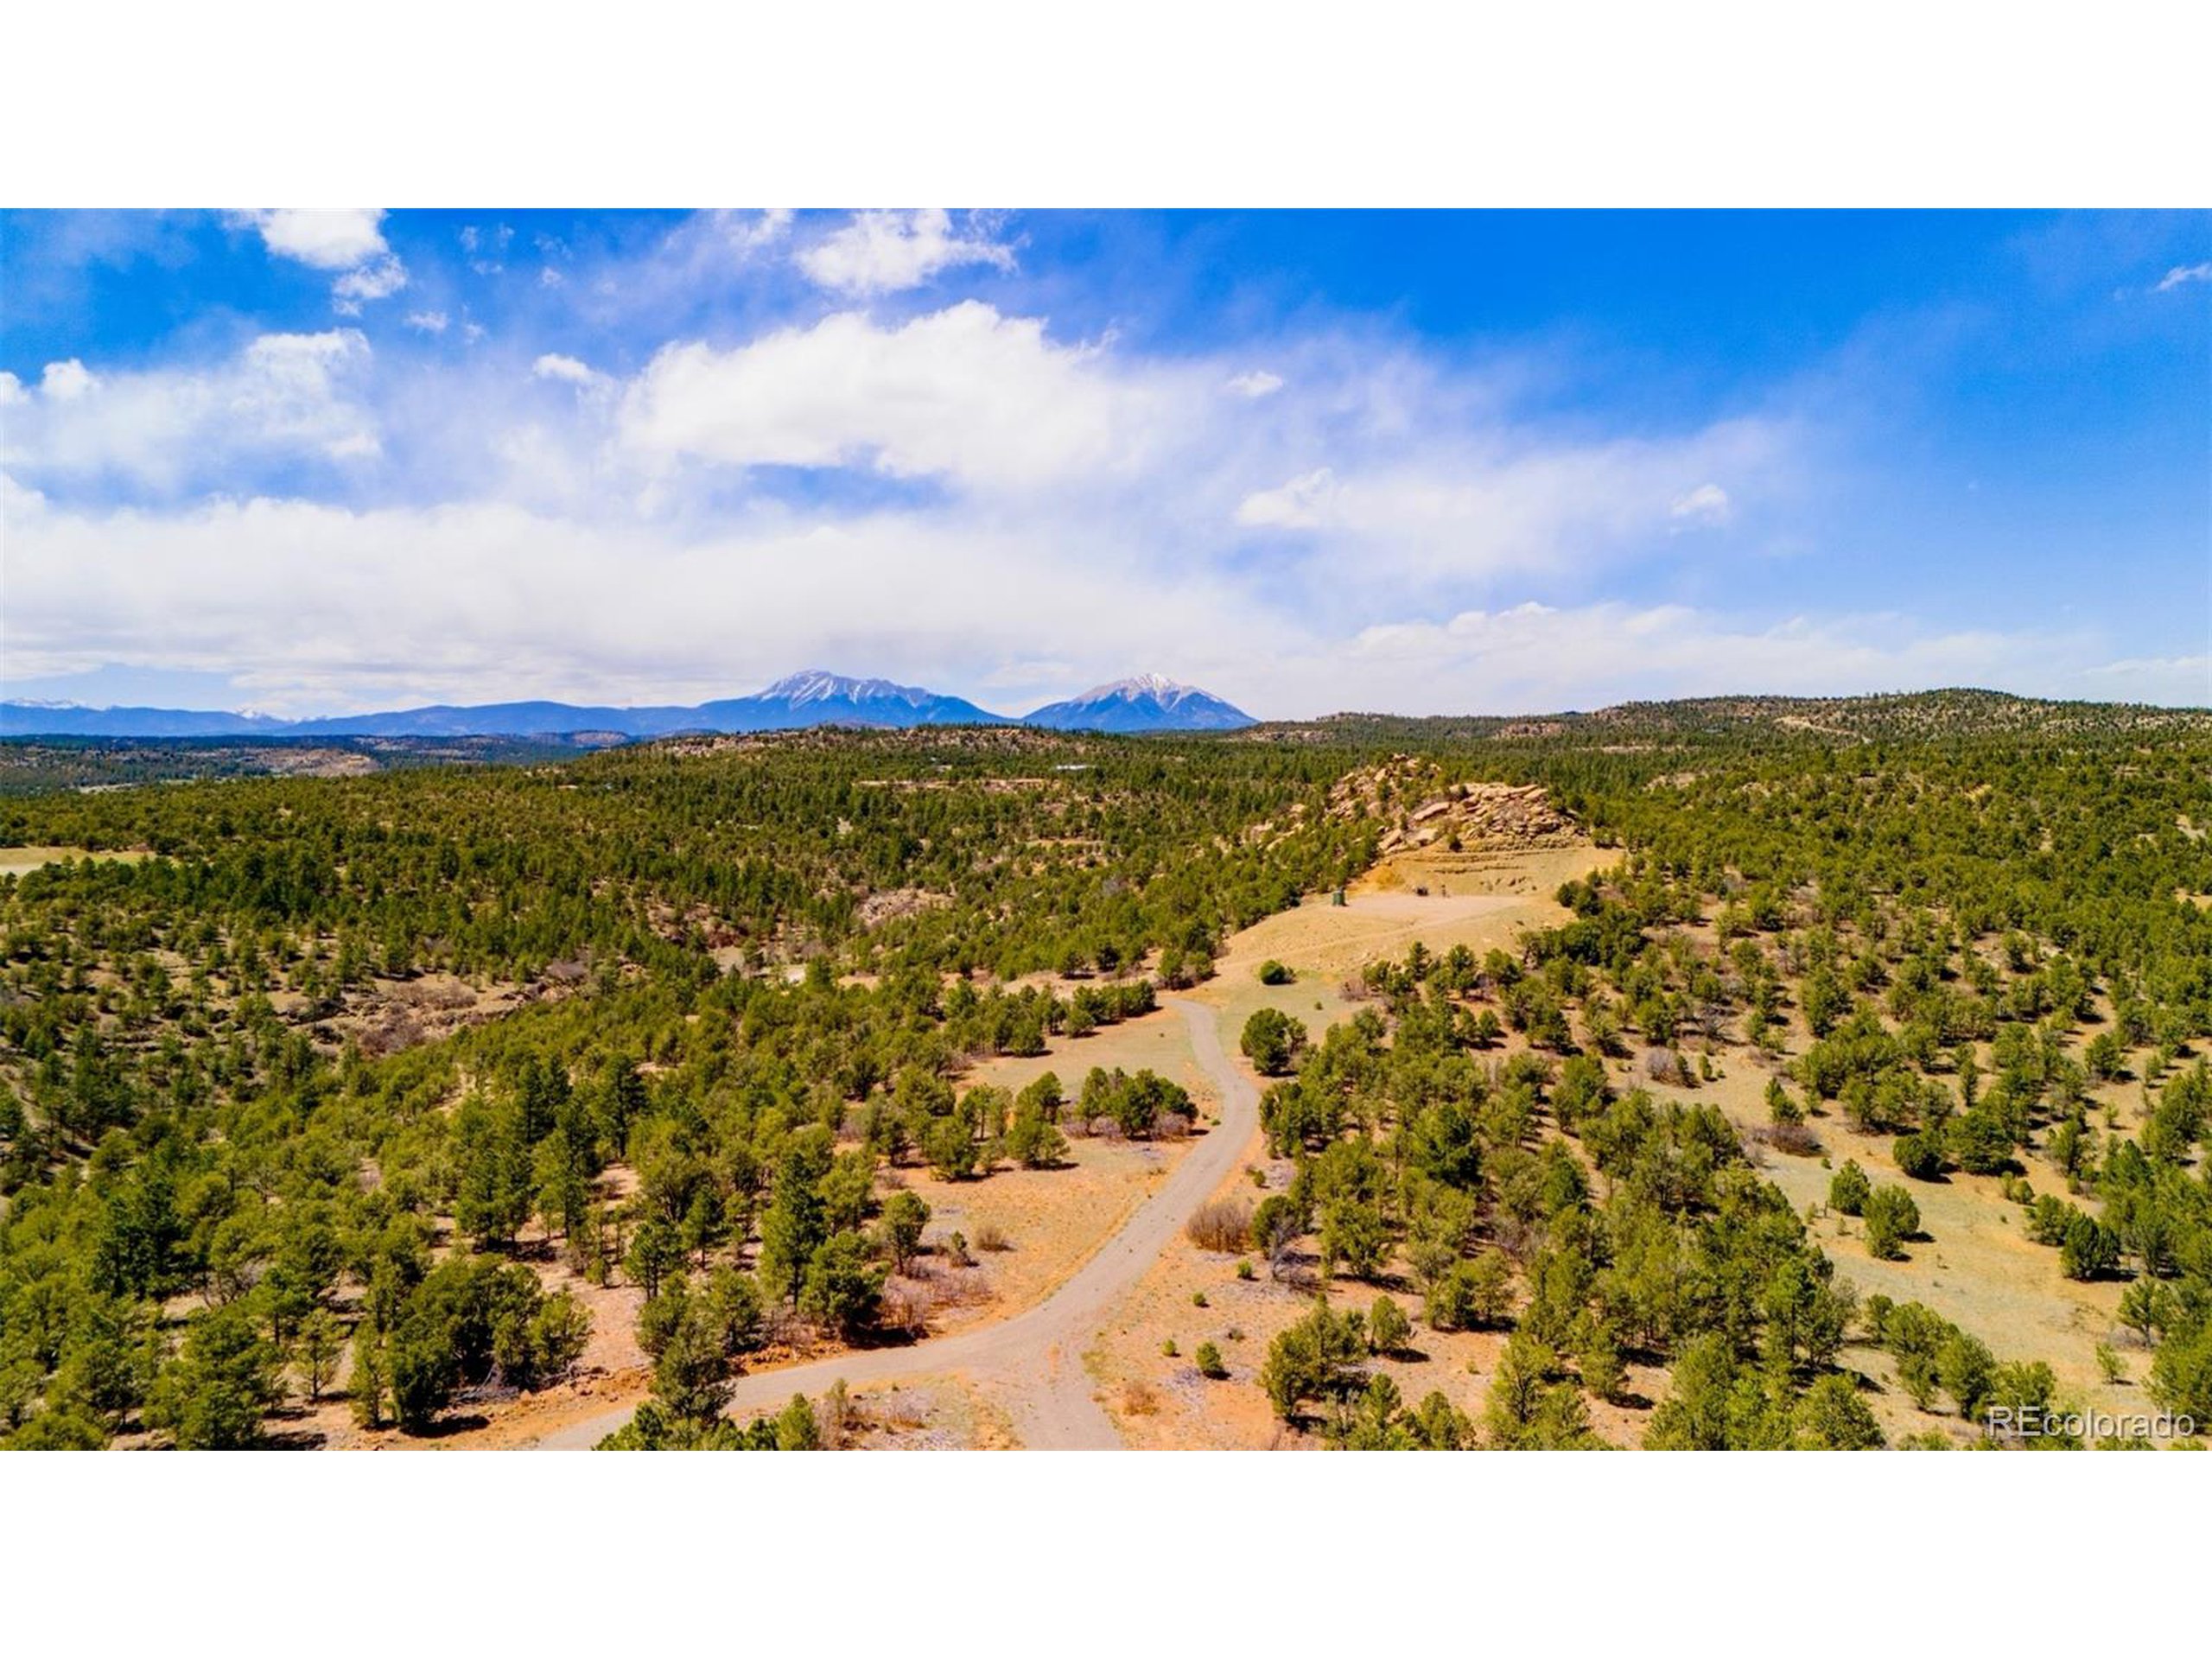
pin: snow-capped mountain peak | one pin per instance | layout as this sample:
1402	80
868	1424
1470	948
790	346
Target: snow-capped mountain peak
1157	686
1143	703
820	685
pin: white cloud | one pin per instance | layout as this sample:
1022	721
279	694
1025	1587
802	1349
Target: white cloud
486	249
2180	274
1533	658
554	366
11	390
282	393
326	238
750	233
882	252
368	601
349	240
1474	505
1708	504
376	282
2173	680
66	382
1306	502
1255	382
429	322
963	393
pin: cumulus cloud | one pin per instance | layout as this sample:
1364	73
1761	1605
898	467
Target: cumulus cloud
2182	274
554	366
348	240
960	497
66	382
326	238
882	252
369	598
369	601
964	393
376	282
281	394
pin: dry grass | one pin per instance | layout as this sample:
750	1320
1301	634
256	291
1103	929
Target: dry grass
1223	1225
1140	1399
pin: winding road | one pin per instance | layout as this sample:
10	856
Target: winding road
1034	1360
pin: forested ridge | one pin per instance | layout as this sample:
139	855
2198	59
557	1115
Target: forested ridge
748	975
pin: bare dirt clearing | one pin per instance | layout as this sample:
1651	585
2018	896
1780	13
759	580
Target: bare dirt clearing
21	860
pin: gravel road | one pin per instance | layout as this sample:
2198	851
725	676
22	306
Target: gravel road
1034	1361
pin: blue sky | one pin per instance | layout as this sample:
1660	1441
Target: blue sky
1429	462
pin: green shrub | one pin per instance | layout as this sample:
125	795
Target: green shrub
1892	1218
1847	1191
1920	1156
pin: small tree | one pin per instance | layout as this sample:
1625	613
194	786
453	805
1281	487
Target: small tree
1892	1218
316	1351
1831	1417
843	1291
1920	1156
1389	1329
1313	1359
796	1427
2091	1249
905	1215
1847	1191
691	1376
949	1148
1271	1041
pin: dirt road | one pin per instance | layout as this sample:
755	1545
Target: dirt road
1033	1362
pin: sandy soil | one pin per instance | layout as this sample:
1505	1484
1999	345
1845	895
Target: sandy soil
19	860
1029	1367
1478	900
1975	1264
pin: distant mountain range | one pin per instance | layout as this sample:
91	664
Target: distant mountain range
1147	703
815	697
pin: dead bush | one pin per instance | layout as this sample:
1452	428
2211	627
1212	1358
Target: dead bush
1224	1225
989	1236
1797	1140
1140	1399
907	1306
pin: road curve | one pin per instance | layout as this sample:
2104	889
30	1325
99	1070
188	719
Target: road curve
1034	1359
